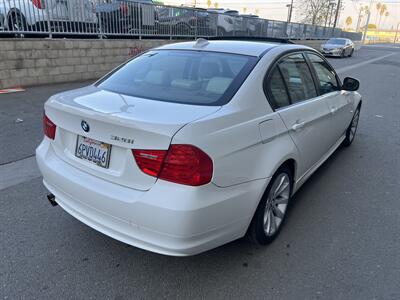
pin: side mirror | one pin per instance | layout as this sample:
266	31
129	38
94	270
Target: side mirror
350	84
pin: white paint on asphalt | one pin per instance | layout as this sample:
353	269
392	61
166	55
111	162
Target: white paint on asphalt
18	172
393	46
360	64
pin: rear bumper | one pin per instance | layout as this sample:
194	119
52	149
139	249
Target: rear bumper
169	219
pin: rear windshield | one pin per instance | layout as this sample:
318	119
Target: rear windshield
190	77
336	42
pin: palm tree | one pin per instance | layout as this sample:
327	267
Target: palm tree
244	10
216	4
378	8
386	16
381	13
360	17
209	3
257	11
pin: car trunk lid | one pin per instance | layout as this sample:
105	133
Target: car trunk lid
124	122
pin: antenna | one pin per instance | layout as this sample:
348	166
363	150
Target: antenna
200	43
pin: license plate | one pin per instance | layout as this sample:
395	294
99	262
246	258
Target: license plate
93	151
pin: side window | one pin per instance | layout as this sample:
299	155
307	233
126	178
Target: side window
297	76
277	90
326	76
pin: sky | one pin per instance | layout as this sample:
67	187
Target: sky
277	10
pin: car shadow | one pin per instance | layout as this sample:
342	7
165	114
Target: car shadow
236	254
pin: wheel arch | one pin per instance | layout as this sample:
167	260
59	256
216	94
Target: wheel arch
21	12
289	162
358	101
292	165
14	11
181	24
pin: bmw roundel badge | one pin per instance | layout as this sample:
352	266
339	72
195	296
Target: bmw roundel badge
85	126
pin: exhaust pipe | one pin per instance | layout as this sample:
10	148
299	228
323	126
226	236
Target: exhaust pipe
52	199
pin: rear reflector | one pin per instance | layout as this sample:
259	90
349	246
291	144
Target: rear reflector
49	127
183	164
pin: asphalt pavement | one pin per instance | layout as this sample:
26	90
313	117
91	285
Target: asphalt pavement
341	239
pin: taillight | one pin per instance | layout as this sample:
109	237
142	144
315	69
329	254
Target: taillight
38	3
150	161
49	127
183	164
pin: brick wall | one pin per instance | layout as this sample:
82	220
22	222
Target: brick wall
26	62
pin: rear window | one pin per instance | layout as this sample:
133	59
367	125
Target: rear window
189	77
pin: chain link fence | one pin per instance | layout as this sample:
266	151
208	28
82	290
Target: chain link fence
143	18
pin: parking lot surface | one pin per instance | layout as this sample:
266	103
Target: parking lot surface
341	239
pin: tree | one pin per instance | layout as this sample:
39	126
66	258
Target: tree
216	4
244	10
349	21
314	12
366	9
378	8
257	11
362	13
209	3
386	16
381	13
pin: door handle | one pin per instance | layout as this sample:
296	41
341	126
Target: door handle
298	125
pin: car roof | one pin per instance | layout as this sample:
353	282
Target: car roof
223	10
250	15
235	47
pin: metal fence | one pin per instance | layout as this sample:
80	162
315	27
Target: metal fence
143	18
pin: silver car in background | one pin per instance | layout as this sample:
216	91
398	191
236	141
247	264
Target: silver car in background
340	47
37	15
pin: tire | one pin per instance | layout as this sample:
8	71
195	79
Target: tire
343	54
261	230
351	53
352	129
182	29
17	22
221	31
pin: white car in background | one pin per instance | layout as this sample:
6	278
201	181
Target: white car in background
192	145
251	24
35	15
228	21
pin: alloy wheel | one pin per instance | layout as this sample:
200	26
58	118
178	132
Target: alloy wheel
354	125
276	204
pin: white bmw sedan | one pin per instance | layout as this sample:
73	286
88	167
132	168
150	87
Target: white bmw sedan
192	145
